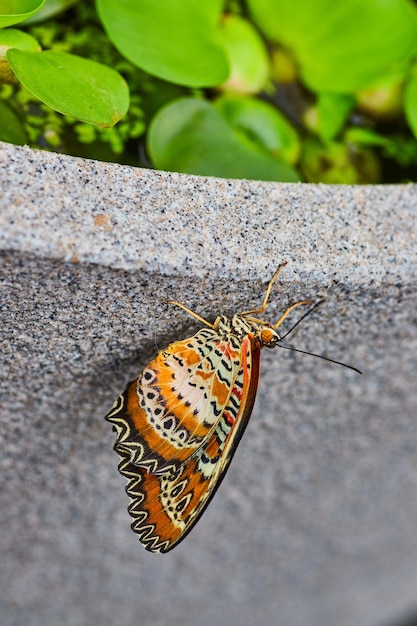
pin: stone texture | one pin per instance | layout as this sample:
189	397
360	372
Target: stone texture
316	520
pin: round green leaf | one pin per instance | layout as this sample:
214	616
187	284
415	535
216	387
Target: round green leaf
15	11
191	136
366	137
86	90
261	123
333	111
342	46
13	38
337	163
11	129
177	41
410	101
383	102
51	8
249	63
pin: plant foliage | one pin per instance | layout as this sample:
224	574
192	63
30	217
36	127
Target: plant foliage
266	89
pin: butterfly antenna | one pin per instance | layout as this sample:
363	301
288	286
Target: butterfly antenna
320	356
301	319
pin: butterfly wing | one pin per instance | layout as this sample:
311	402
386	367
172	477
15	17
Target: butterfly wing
166	414
171	482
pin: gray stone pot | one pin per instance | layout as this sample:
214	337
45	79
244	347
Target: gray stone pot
315	523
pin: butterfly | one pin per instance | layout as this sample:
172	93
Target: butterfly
179	423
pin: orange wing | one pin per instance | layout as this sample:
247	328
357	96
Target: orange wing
172	479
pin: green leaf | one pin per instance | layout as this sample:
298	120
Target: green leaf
366	137
248	58
191	136
11	129
337	163
384	102
398	147
84	89
177	41
15	11
13	38
333	111
261	124
342	46
49	9
410	101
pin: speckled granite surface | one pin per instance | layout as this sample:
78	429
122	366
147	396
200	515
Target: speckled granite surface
315	521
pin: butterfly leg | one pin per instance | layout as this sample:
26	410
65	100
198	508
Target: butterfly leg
290	308
192	313
267	293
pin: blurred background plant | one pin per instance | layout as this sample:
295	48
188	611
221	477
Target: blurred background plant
316	90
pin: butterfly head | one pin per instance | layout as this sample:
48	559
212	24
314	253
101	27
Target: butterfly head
268	337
